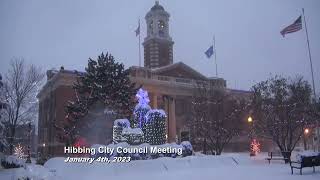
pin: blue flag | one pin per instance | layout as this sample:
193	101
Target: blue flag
209	52
137	31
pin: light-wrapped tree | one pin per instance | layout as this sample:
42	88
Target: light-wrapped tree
155	127
217	118
282	108
141	109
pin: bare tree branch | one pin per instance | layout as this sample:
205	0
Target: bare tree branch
21	86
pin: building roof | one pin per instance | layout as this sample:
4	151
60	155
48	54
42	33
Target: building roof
179	65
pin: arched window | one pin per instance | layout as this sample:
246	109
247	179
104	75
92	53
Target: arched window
161	27
151	27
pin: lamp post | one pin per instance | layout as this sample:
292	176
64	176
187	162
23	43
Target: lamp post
250	122
29	139
306	133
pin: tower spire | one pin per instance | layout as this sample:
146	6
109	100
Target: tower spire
158	45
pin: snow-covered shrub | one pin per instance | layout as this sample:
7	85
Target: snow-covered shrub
115	154
186	148
144	156
12	162
41	160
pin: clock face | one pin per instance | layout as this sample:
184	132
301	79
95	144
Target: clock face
161	24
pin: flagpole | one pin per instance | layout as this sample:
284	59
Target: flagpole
314	91
139	45
305	25
215	54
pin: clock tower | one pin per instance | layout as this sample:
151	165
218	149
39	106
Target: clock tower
158	44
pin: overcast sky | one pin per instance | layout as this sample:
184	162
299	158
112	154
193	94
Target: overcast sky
249	45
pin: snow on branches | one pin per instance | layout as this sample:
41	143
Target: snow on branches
105	81
282	108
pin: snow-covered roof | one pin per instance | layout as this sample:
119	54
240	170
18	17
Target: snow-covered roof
181	65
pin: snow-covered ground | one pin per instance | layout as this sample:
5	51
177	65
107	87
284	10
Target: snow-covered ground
228	166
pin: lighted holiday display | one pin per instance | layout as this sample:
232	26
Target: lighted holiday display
80	142
143	98
118	126
19	152
254	147
133	136
155	127
141	109
148	124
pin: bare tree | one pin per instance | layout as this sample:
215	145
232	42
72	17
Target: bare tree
282	108
217	118
21	85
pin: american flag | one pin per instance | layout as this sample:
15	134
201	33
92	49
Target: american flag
296	26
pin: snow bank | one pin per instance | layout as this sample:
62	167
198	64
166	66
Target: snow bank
12	162
202	167
161	165
35	172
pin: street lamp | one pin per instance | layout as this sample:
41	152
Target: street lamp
251	135
29	146
306	132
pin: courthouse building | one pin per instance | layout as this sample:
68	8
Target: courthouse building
170	85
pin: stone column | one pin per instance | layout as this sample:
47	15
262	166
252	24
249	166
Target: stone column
154	101
172	120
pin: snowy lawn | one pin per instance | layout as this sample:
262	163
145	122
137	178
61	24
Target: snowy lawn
228	166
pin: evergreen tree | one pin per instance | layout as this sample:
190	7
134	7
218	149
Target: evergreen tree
141	109
105	81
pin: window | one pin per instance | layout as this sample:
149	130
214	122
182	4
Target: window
151	27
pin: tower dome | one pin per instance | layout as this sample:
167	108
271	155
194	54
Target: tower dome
158	43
